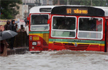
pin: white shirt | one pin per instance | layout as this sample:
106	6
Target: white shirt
27	29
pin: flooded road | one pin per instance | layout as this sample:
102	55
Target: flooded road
55	60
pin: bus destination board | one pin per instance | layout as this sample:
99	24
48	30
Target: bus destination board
76	11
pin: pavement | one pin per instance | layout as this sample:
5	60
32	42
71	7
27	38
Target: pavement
19	50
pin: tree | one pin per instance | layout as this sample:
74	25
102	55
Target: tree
9	8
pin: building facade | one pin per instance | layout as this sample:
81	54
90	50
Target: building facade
27	4
46	2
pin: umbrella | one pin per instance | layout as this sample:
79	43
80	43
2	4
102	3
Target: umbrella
7	34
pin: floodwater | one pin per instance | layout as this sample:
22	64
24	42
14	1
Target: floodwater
56	60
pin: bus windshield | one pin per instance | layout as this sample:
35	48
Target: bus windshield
90	28
39	22
64	26
39	19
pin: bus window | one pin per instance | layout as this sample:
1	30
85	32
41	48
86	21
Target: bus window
63	26
39	19
39	22
67	23
90	28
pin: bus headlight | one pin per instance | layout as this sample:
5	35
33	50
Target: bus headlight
34	43
32	47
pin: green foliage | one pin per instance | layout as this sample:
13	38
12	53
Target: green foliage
9	8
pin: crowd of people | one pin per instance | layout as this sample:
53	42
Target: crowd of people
11	25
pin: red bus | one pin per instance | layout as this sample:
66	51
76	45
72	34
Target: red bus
79	28
39	28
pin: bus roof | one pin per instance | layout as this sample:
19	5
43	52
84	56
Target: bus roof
103	8
41	9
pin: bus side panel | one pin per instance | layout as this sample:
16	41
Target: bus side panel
56	46
59	44
107	37
76	44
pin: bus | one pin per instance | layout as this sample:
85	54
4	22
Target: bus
79	28
39	28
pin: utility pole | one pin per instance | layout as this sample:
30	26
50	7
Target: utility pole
91	2
67	2
58	2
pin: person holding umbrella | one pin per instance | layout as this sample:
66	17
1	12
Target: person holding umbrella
3	44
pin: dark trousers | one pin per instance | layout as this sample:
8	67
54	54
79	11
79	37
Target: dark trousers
27	41
12	42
